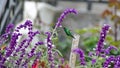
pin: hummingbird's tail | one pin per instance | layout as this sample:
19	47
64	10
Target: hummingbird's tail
72	36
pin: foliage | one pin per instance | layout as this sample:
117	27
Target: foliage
48	52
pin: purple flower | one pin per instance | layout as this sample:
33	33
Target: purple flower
2	65
63	15
49	50
20	46
109	60
93	61
9	27
107	51
62	60
38	55
11	47
39	43
112	59
23	49
117	62
103	55
31	53
90	54
81	55
28	24
103	34
14	49
4	37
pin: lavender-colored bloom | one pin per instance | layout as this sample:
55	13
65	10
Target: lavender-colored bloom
9	27
0	56
38	55
93	61
63	15
81	55
31	54
31	35
103	34
107	51
90	54
108	61
39	43
28	24
2	65
11	47
112	59
12	50
13	41
49	46
117	62
20	46
62	60
103	55
4	37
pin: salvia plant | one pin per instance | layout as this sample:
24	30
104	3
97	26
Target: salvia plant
43	54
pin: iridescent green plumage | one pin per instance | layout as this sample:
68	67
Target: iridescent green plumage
68	33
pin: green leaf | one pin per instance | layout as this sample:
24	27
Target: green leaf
94	30
55	40
109	38
81	31
90	41
115	43
58	52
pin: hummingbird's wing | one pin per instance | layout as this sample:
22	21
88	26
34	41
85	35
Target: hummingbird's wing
68	32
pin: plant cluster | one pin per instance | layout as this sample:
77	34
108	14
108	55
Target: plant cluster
43	54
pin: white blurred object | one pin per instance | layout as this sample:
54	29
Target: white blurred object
45	11
81	6
30	10
98	8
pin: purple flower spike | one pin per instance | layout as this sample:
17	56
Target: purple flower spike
28	24
81	55
93	61
38	55
109	60
4	37
32	52
11	47
9	27
107	51
90	54
62	60
117	62
63	15
103	34
49	50
39	43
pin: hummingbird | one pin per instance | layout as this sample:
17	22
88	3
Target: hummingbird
68	32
